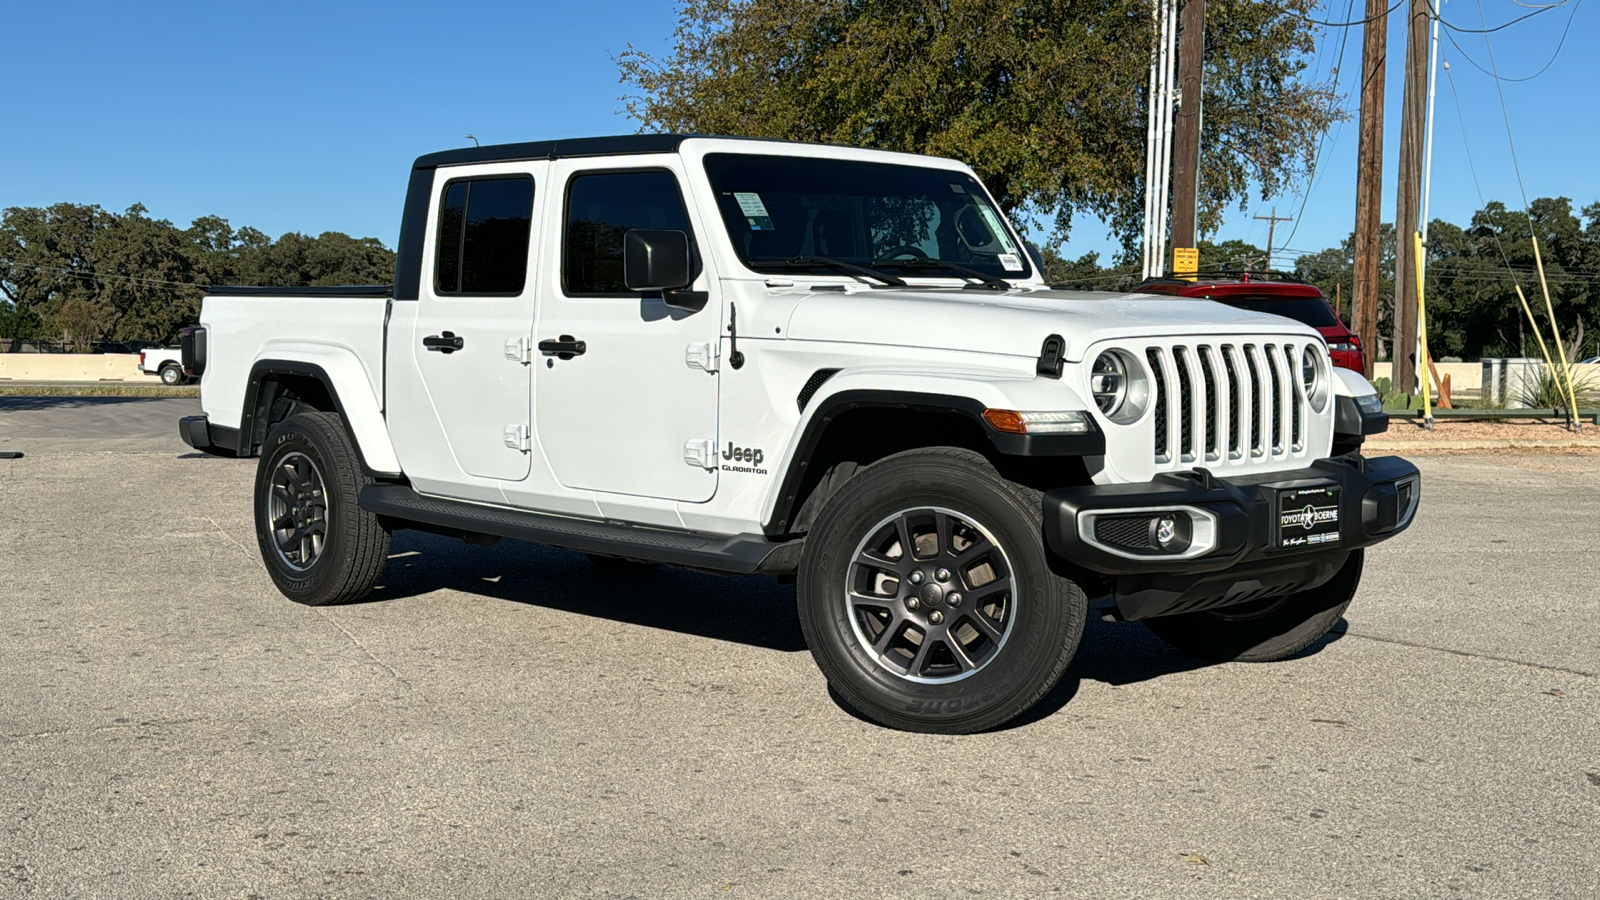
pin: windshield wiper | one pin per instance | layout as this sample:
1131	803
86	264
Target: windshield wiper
809	262
988	281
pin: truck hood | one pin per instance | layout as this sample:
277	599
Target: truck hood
1015	323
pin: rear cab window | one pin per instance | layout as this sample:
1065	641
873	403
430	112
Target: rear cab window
483	231
1313	311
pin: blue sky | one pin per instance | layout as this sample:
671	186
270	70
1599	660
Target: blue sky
297	116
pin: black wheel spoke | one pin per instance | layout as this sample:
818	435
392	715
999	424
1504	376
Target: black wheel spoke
881	645
920	660
960	654
985	625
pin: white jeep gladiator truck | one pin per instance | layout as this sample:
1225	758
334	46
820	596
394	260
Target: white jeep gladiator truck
835	365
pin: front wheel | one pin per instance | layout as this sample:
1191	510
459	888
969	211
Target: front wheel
926	597
1264	630
319	545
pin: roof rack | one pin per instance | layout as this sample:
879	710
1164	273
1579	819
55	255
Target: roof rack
1244	275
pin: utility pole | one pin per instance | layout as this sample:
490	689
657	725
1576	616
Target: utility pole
1186	125
1369	180
1413	115
1272	227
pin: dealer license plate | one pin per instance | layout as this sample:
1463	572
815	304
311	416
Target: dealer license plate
1308	517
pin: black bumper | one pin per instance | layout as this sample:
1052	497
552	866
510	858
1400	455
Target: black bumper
199	433
1235	551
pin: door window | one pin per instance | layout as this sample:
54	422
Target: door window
484	225
601	208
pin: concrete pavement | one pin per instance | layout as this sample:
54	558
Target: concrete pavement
509	721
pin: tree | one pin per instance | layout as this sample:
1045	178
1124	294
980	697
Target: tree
82	274
1044	98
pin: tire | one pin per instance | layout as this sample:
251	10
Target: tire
1263	630
616	565
171	375
966	524
341	548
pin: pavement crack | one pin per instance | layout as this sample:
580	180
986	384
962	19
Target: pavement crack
1470	655
229	537
363	648
115	726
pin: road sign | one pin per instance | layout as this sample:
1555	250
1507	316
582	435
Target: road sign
1185	262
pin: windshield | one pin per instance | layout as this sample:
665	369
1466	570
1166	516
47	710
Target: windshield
1312	311
781	208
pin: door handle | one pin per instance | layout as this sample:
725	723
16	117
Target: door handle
446	343
565	348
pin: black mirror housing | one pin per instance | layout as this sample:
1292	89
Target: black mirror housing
655	260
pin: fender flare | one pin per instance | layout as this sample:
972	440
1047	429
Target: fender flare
345	379
822	411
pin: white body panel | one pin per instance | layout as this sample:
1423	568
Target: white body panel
151	361
608	428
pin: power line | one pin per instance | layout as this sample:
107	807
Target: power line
1353	22
1542	69
77	273
1504	25
1316	156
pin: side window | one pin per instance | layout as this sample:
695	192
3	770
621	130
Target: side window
484	225
601	208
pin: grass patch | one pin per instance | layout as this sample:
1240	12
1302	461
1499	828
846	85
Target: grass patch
23	389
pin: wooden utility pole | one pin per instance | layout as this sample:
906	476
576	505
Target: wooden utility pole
1369	181
1272	228
1413	119
1186	126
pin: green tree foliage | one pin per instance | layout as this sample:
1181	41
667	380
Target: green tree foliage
1044	98
81	273
1472	275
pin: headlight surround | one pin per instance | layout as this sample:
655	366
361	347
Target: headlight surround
1118	386
1314	376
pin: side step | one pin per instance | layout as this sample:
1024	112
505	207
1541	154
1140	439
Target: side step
741	554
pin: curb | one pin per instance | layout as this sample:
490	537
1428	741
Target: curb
1506	444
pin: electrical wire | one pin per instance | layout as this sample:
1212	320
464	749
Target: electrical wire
1316	156
1504	25
1353	22
1542	69
77	273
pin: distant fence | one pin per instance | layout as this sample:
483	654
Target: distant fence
18	345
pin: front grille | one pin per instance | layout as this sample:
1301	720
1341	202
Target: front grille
1218	402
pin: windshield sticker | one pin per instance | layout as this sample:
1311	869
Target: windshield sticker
957	189
1010	262
755	212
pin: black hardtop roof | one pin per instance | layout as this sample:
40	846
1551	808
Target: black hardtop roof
615	145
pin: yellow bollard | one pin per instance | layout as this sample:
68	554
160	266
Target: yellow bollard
1422	336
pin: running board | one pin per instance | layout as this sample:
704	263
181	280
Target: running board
740	554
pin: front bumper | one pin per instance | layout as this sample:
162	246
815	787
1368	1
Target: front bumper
1231	551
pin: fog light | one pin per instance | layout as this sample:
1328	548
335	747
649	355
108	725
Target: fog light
1170	532
1166	532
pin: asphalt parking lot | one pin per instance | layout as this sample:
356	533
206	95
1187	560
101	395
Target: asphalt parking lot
509	721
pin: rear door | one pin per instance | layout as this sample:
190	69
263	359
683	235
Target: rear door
630	413
472	326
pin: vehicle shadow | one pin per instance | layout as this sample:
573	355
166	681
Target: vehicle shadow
752	610
19	403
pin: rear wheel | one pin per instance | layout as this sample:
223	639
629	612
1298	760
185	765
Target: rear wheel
1263	630
926	598
171	375
319	545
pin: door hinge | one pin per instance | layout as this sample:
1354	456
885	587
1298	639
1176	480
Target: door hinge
519	349
702	356
518	438
700	452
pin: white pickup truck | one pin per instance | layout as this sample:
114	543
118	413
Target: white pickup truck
164	362
831	364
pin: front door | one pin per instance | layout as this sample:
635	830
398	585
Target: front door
474	315
625	386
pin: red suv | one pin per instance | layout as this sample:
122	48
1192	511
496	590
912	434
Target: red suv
1293	299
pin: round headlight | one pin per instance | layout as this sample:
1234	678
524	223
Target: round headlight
1314	376
1108	382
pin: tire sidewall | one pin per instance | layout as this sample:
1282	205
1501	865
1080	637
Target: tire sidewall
290	436
1044	617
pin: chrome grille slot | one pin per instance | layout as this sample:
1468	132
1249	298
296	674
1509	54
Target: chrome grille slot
1217	404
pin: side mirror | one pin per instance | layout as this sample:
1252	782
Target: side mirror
659	260
1037	256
